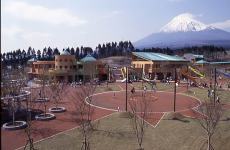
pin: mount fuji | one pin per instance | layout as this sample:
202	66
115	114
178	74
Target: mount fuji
185	31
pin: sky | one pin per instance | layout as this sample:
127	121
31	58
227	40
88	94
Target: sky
72	23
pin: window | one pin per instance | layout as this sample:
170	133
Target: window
60	67
157	65
80	66
66	67
65	60
60	60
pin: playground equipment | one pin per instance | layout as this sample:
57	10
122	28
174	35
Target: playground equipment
123	80
123	72
186	74
196	72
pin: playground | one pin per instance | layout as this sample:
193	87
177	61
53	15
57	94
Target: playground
159	103
106	102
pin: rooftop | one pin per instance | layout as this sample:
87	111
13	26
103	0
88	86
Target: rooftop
220	62
88	58
32	60
64	53
158	56
202	62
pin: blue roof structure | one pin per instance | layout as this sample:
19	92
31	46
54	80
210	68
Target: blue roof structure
64	52
88	58
220	62
158	56
32	60
198	56
202	62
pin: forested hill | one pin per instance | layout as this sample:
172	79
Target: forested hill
122	48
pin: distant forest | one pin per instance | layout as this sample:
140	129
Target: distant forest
122	48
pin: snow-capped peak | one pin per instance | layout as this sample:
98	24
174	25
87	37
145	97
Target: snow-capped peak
184	23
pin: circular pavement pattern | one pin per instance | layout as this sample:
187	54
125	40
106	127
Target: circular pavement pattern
159	102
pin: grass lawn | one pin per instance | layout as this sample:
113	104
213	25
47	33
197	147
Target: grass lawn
116	132
160	86
104	88
202	94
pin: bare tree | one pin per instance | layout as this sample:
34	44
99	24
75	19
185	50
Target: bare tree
58	89
139	108
29	129
85	111
212	112
44	78
12	84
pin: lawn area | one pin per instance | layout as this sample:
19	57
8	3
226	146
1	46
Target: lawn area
115	132
105	88
160	86
202	94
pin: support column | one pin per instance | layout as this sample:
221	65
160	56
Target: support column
152	72
143	69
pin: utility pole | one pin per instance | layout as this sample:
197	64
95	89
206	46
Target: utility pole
187	78
174	108
215	86
126	88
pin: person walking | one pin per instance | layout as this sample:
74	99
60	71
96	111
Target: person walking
40	93
145	89
209	93
217	99
133	90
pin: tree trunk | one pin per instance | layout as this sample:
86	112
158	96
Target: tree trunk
209	143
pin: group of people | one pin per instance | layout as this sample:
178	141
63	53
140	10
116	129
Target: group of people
211	93
145	88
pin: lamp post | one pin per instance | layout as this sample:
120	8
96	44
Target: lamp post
126	89
174	108
187	78
215	86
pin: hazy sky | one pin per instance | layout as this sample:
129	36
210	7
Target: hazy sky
72	23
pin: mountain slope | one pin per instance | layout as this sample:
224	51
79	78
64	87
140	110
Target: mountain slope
184	31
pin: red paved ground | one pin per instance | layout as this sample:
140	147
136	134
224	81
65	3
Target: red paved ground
157	102
14	139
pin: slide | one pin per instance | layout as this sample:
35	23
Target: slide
224	73
150	82
147	80
123	80
123	71
196	72
188	76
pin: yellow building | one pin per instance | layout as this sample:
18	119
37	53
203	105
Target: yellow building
66	67
157	65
